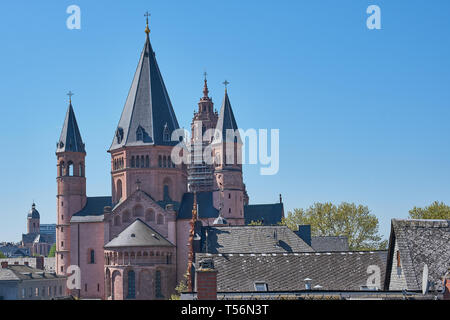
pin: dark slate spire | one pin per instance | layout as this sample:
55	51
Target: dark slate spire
147	117
226	118
70	139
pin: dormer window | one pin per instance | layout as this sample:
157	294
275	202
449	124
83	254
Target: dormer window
119	135
261	286
140	134
166	133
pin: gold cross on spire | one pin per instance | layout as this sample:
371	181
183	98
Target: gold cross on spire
70	94
147	29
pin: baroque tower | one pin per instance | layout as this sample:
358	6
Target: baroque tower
200	170
229	195
71	182
142	144
33	220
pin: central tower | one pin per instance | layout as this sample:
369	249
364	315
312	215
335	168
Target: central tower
142	144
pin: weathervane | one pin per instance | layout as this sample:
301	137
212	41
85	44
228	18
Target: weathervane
70	94
147	29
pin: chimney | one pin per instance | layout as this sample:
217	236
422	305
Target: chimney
206	277
40	262
304	232
4	264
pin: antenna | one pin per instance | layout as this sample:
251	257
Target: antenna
425	282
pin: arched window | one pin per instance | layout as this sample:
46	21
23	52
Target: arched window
116	220
166	134
160	161
142	162
131	285
69	171
166	189
164	161
91	256
160	219
126	216
158	288
147	161
137	161
81	169
150	215
132	162
119	190
138	211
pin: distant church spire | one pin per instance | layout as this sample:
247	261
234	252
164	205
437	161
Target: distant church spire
70	139
205	87
147	29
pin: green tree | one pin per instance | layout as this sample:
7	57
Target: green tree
181	287
255	223
348	219
2	256
437	210
52	251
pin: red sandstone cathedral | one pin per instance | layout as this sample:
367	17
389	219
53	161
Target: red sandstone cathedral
138	243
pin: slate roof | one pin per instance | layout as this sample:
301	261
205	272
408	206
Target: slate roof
22	272
271	214
330	243
205	206
33	213
11	251
226	120
420	242
138	234
148	110
93	210
70	139
252	239
340	271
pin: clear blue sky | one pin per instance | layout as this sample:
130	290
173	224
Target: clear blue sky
363	115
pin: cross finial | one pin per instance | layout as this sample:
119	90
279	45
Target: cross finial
138	184
147	29
205	74
70	94
226	83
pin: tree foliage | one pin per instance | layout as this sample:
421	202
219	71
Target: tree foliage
255	223
52	251
2	256
180	288
348	219
437	210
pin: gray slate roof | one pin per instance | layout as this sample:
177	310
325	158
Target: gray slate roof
148	110
70	139
252	239
329	243
286	272
226	120
270	214
421	242
33	213
22	272
138	234
205	207
93	210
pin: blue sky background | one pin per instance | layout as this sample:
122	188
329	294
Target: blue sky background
363	115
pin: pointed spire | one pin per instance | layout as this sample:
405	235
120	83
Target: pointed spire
70	139
205	87
147	108
226	119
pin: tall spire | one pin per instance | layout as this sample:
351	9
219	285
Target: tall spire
226	119
147	29
205	87
70	139
148	108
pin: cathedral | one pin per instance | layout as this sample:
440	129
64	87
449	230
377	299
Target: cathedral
134	244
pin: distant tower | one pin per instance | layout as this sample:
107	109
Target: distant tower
71	181
142	144
229	193
33	220
200	173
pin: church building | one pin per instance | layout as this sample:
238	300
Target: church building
134	244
